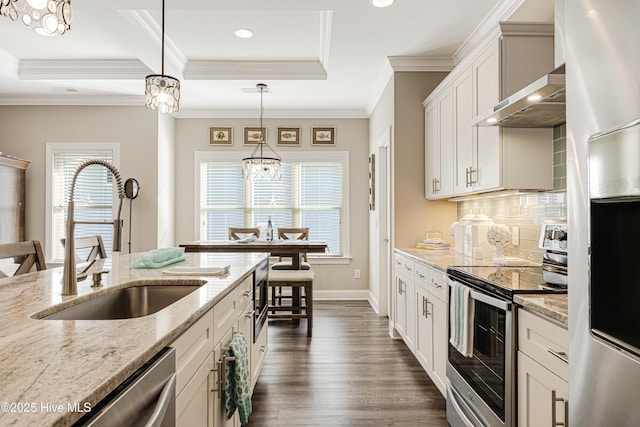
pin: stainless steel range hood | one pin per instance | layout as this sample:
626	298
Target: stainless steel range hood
540	104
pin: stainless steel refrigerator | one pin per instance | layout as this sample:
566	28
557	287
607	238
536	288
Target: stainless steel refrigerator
603	176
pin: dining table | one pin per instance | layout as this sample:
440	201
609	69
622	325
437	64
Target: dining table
280	248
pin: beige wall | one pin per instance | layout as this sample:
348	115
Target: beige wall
351	135
400	109
26	130
413	214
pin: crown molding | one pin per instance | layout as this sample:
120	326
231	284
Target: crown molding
326	19
111	69
488	26
420	63
249	70
143	20
273	114
9	64
70	100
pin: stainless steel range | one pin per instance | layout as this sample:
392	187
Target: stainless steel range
481	384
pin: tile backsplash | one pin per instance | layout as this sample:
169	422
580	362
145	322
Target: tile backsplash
528	211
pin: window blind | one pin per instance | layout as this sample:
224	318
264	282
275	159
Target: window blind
94	198
309	194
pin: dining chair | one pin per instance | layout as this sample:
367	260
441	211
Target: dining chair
239	233
92	245
289	233
292	233
25	254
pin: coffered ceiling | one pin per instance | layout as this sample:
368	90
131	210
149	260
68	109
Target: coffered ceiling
319	57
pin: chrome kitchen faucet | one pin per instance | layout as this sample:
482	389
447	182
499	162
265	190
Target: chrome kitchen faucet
69	279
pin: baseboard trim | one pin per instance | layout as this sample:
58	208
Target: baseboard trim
373	301
359	294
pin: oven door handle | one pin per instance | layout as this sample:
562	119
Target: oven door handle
494	302
487	299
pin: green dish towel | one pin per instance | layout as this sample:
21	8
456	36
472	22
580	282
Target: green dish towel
143	264
237	393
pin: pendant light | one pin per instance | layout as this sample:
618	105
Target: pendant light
162	92
48	17
261	167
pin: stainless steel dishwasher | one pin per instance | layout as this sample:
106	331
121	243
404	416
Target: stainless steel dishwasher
147	398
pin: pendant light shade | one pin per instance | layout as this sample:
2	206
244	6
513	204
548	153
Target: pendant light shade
47	17
162	91
264	163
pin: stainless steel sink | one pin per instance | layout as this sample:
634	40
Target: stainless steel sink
125	303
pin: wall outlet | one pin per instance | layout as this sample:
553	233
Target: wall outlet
515	236
356	274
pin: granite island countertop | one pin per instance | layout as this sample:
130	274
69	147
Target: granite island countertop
47	364
554	306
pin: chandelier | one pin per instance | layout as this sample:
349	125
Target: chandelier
48	17
259	167
161	91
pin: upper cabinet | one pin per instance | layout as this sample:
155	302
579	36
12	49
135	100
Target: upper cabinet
479	159
439	126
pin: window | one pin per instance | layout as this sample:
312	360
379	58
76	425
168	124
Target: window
95	195
311	193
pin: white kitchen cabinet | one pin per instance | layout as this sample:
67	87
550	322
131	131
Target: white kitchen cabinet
194	366
480	159
464	135
405	316
421	315
194	403
199	358
431	340
542	395
543	389
439	128
219	415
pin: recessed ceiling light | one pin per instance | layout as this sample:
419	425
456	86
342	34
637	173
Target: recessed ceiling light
243	33
382	3
492	120
535	97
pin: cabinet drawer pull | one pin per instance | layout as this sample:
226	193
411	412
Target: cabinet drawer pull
554	400
407	268
560	355
398	262
419	275
246	294
436	284
250	314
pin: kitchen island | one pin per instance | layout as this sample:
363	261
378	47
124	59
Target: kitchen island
51	370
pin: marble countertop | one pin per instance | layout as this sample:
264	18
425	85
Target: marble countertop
555	305
45	365
441	259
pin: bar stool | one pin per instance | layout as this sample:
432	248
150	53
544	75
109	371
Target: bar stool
297	280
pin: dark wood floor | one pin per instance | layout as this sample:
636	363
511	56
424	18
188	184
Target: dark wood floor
351	373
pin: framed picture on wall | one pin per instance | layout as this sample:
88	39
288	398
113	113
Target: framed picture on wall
252	135
288	136
323	136
372	182
222	135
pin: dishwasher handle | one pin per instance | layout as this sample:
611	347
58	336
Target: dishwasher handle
168	393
